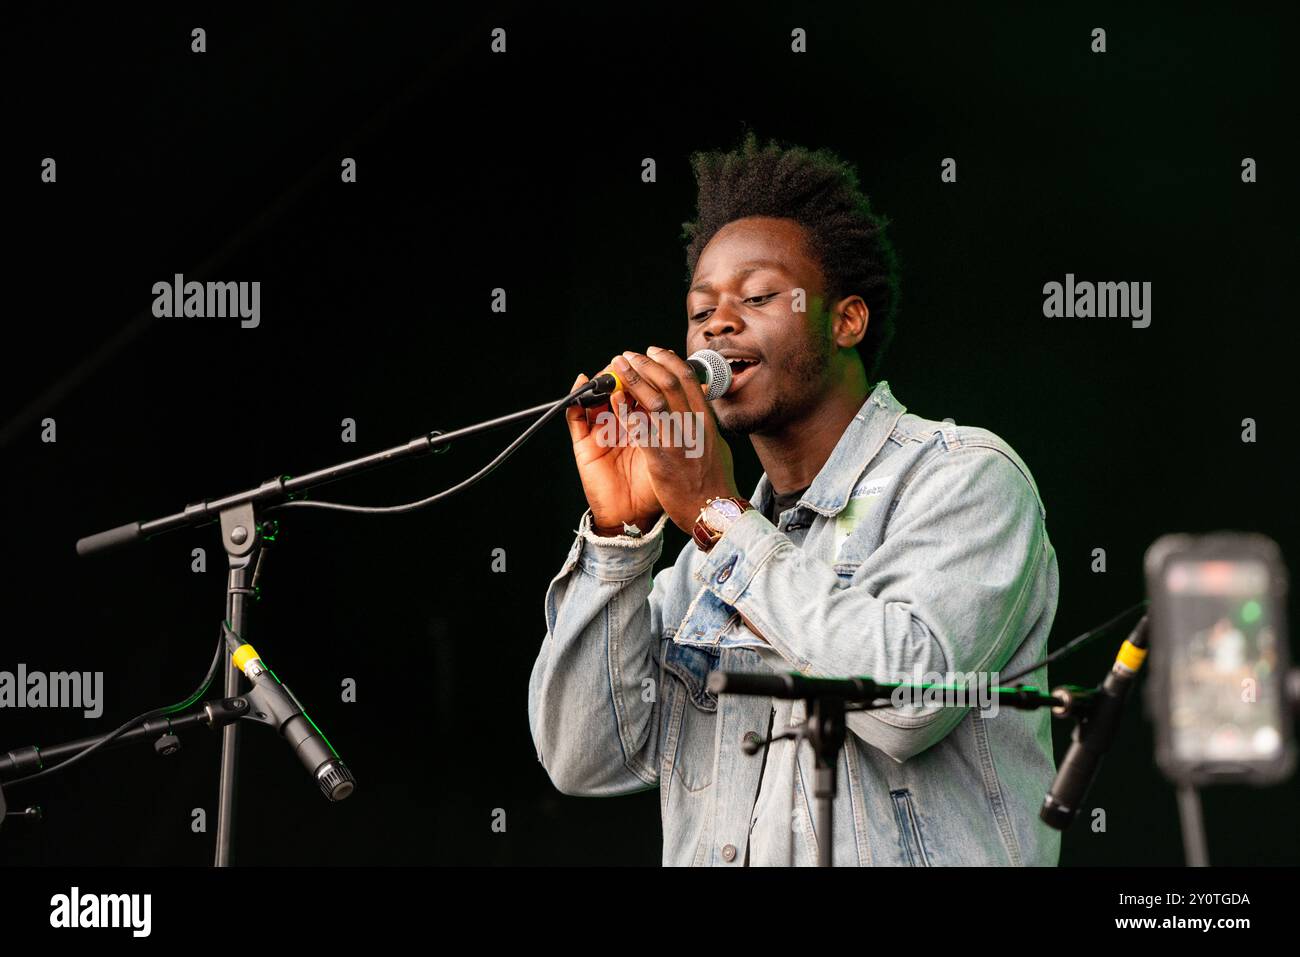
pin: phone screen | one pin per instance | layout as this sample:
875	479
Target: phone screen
1224	687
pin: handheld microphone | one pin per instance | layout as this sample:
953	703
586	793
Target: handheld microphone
274	704
1094	733
710	368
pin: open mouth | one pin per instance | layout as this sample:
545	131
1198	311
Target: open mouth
741	370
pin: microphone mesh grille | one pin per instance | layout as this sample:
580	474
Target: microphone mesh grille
719	373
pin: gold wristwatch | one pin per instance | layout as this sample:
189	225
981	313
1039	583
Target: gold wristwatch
716	517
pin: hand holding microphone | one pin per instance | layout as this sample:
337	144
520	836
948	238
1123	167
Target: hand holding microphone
713	371
634	483
615	478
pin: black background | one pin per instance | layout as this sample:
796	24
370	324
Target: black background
523	171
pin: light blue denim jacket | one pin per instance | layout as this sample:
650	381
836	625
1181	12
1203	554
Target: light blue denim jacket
919	543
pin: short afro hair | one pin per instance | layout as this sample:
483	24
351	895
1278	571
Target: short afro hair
819	191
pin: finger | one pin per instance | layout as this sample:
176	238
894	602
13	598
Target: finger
620	401
653	386
576	416
679	367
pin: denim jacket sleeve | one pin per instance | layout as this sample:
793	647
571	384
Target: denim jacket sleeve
593	714
948	589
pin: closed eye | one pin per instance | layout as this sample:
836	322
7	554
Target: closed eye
752	300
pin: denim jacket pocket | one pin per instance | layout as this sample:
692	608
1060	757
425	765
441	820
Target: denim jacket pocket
911	843
692	664
693	754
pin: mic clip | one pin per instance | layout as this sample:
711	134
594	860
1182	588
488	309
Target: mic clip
597	391
1074	701
272	703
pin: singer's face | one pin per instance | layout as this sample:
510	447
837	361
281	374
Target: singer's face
742	303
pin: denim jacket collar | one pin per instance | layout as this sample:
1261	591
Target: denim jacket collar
859	444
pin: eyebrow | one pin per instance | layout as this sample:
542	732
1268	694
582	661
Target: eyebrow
753	265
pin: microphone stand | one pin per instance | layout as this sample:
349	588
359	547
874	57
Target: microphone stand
1192	824
32	813
216	713
1191	821
827	703
242	536
17	764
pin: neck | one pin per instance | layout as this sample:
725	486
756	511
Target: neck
793	455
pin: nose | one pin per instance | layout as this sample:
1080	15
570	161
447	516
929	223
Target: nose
724	321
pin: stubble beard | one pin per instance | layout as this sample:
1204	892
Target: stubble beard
805	372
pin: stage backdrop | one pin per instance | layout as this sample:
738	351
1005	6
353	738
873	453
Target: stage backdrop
224	156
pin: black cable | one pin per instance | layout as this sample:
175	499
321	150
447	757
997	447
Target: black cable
139	719
221	642
878	704
1076	642
1072	645
481	473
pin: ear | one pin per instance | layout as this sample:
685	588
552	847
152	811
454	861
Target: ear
849	322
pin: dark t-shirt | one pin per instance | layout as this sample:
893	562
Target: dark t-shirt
780	503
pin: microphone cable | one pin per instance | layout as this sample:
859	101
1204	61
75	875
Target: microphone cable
1075	643
138	719
336	506
477	476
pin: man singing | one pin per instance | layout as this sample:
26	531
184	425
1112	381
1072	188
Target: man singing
877	543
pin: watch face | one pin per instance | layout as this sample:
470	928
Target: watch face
727	509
